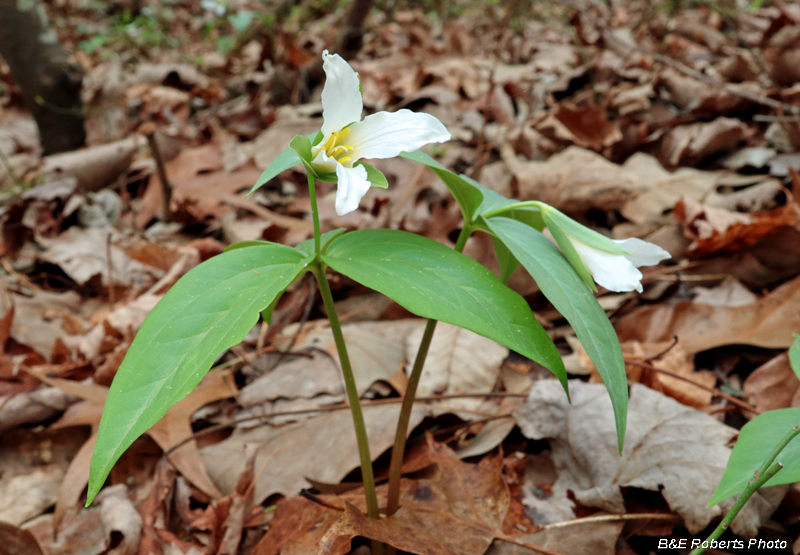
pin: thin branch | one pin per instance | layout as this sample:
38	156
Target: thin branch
611	518
714	390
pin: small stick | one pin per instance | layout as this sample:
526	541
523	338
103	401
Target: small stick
149	130
611	518
715	391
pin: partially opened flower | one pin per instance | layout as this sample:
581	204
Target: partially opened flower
598	259
346	138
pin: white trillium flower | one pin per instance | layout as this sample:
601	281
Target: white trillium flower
346	138
618	272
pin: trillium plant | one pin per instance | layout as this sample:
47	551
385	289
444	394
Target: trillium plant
214	305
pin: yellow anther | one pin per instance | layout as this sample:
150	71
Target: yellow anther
343	160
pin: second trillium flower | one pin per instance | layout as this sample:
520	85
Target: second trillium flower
598	259
346	138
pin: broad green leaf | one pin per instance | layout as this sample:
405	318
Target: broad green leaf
565	289
468	197
375	176
794	355
757	439
435	282
208	310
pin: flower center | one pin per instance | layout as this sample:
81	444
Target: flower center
334	149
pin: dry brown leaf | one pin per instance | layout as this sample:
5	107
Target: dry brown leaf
597	538
575	180
84	254
16	541
459	361
773	385
94	167
699	327
586	126
669	447
289	454
297	528
714	229
698	141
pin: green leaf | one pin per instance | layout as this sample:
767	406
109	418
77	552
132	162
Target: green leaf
435	282
375	176
757	439
267	313
794	355
208	310
508	262
565	289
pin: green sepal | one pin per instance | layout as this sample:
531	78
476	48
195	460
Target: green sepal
374	176
302	146
566	246
284	161
555	218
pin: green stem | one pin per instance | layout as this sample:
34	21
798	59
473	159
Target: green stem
362	439
312	195
523	204
751	488
352	395
398	451
761	476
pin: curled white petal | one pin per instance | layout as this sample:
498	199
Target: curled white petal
387	134
341	95
618	272
353	185
643	253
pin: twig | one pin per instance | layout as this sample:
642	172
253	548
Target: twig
715	391
332	408
149	130
611	518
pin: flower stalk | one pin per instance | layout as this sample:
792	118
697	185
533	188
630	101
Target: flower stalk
359	424
398	451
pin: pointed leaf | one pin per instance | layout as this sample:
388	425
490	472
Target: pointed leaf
565	289
757	439
285	160
433	281
508	262
208	310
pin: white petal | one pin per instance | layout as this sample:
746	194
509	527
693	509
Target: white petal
324	162
613	271
387	134
643	253
341	96
353	185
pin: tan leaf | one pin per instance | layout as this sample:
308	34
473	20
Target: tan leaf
669	447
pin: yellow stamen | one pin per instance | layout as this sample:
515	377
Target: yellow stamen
345	159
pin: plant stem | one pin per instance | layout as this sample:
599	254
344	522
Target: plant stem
312	195
761	476
352	395
751	488
347	371
396	464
